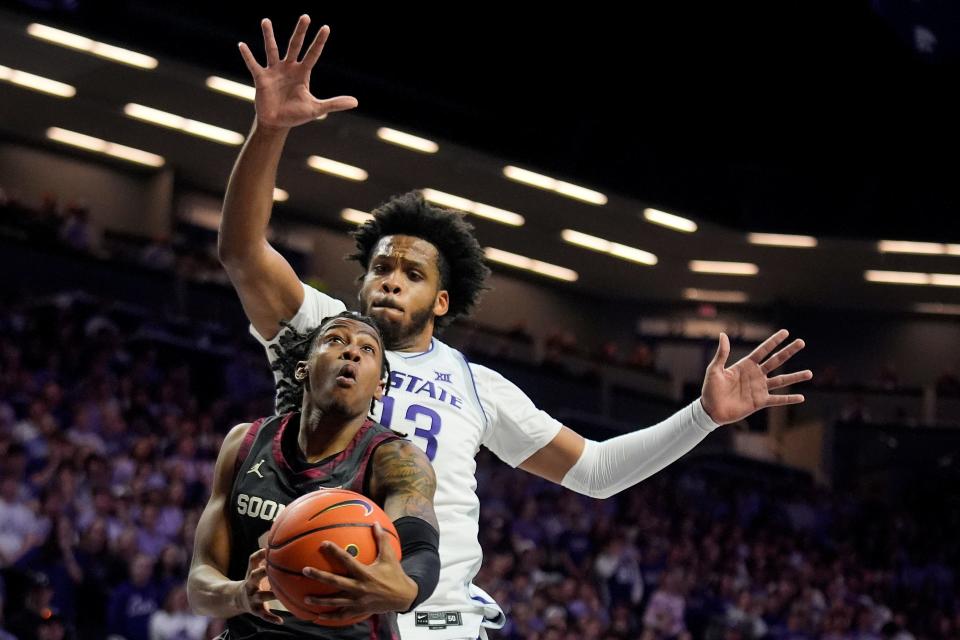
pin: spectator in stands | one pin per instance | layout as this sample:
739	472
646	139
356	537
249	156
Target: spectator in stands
26	623
134	601
159	254
78	232
664	616
19	526
175	621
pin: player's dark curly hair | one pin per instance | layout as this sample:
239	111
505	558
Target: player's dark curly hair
463	272
295	346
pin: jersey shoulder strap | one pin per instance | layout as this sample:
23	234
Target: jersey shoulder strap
248	439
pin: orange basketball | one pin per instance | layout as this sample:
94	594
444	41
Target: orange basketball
343	517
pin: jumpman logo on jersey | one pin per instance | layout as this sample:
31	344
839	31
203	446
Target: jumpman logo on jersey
443	377
256	468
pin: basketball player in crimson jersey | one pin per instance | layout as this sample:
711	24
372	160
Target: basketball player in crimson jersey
422	268
339	368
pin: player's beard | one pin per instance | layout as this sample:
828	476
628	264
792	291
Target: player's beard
398	334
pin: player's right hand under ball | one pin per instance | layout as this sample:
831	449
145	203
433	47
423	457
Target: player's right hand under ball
254	592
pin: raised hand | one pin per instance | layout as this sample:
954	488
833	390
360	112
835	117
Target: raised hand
733	393
283	98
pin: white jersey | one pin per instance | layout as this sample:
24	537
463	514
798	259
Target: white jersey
449	408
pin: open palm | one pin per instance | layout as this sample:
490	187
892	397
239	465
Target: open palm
283	97
733	393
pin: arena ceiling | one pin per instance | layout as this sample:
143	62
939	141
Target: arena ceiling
837	123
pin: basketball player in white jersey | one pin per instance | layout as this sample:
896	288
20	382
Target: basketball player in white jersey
423	267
